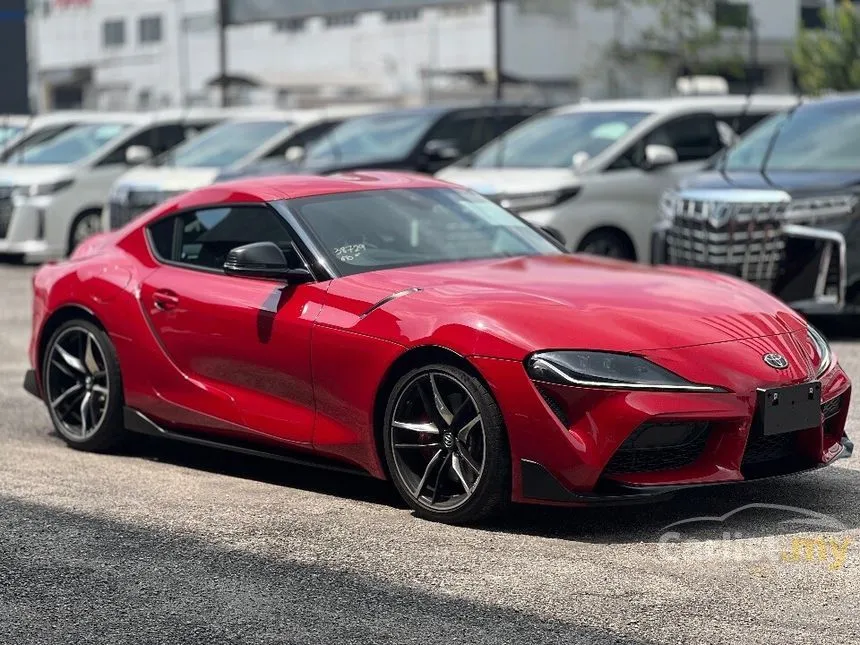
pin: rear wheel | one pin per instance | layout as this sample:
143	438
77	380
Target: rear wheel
445	445
608	243
83	386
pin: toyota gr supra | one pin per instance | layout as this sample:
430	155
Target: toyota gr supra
413	330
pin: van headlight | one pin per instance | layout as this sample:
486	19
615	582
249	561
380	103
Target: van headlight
535	201
668	205
40	190
819	210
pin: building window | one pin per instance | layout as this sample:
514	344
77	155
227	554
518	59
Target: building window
811	15
732	14
461	10
149	29
341	20
113	33
402	15
199	22
290	25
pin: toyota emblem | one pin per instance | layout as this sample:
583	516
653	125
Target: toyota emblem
777	361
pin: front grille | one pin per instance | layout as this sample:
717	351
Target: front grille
741	239
831	407
135	203
120	214
642	452
761	449
6	209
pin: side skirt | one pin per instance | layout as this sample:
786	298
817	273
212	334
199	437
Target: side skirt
137	422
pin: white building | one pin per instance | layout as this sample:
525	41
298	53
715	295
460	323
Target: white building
146	53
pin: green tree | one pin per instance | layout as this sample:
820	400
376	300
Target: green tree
829	58
684	34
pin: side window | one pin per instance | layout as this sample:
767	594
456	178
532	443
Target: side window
303	138
159	139
203	238
693	138
463	130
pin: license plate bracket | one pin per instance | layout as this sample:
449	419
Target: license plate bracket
788	409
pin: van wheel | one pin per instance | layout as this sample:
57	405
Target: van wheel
608	243
85	226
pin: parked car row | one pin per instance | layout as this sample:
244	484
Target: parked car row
674	180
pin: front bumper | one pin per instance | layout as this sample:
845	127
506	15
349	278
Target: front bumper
567	443
33	232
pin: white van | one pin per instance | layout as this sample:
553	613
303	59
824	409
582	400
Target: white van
595	171
226	149
52	191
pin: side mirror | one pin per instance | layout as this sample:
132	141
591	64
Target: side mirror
294	154
263	260
442	150
136	155
658	156
555	234
579	160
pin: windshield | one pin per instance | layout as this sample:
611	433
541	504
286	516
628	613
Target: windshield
224	144
367	138
31	139
72	145
824	136
9	132
379	229
553	140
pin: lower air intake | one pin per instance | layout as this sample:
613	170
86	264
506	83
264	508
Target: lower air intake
655	447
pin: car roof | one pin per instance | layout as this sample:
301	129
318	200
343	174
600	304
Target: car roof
267	189
685	104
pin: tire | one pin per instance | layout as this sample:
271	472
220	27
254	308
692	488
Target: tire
70	373
607	243
423	462
85	225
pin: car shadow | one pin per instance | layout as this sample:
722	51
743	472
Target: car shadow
754	509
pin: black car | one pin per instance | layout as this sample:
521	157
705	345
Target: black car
419	139
781	209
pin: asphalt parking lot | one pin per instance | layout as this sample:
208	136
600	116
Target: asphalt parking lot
170	544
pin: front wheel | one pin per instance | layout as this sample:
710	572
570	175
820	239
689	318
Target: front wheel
84	227
83	387
446	447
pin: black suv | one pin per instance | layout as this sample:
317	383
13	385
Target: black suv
781	209
420	139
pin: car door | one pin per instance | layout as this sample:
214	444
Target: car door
244	340
626	196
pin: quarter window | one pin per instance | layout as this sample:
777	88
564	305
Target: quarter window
203	238
693	138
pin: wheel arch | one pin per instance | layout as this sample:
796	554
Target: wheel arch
410	359
614	230
54	321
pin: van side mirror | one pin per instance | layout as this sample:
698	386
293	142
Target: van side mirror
136	155
294	154
263	260
659	156
442	150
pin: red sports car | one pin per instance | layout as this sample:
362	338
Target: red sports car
410	329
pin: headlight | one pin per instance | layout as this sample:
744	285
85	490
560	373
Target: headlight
822	347
536	201
668	204
607	370
822	209
39	190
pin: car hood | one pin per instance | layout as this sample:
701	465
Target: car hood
13	175
519	305
792	182
511	181
167	178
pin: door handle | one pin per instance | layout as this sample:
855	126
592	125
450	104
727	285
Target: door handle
165	299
